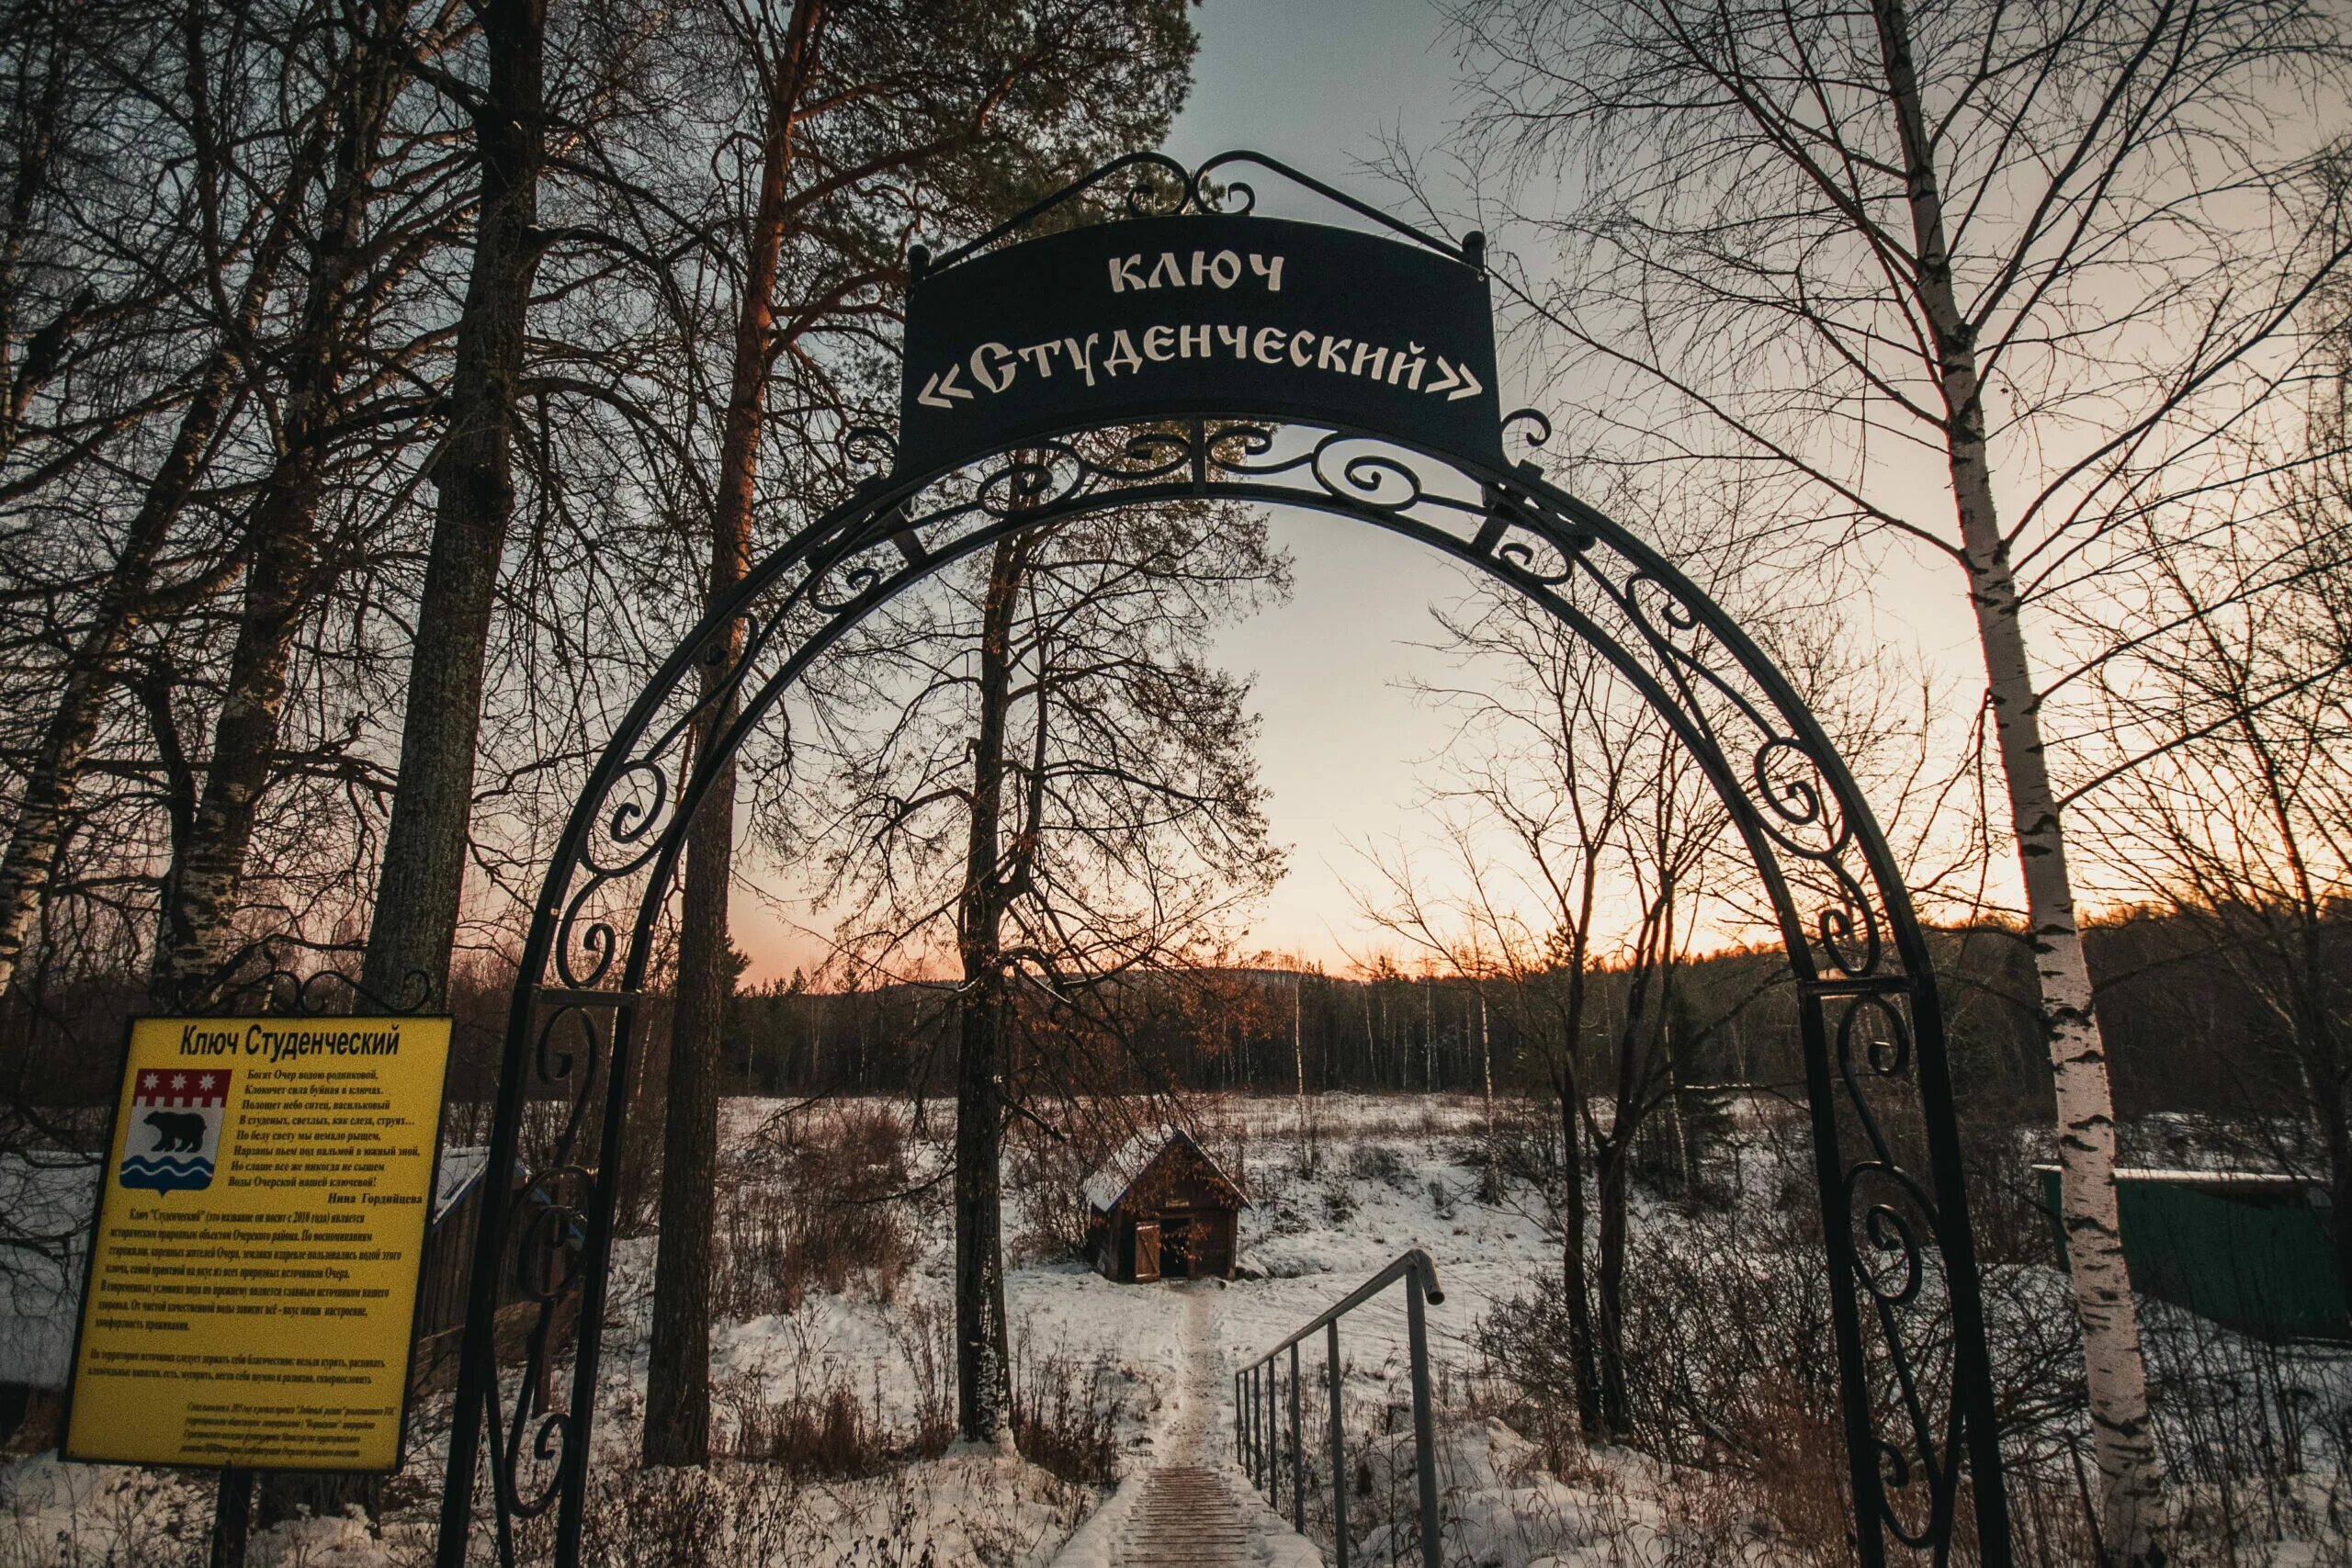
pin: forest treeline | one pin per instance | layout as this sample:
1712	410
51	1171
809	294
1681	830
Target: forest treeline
2192	1032
2196	1031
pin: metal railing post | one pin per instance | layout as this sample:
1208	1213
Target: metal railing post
1265	1446
1258	1425
1298	1460
1266	1476
1424	1427
1258	1414
1338	1443
1249	1417
1273	1432
1276	1426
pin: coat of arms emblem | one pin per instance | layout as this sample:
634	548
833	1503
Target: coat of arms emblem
175	1134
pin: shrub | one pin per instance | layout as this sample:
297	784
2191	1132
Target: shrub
1049	1173
826	1433
1371	1161
1065	1413
810	1207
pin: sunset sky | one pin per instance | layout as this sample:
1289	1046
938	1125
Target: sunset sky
1345	743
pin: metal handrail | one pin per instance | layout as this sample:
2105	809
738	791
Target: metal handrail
1257	1416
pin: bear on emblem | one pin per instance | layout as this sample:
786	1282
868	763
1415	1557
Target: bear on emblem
184	1109
177	1131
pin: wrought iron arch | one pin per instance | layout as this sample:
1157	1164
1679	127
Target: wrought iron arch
1912	1377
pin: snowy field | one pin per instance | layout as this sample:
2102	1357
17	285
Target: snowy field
832	1401
1155	1363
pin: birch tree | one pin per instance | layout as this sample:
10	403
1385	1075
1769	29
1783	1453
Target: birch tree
2053	251
347	271
207	264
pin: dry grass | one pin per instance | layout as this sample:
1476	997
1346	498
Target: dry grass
1066	1412
809	1204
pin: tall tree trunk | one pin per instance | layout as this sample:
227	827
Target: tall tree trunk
2131	1502
983	1372
203	889
1574	1119
203	886
677	1390
37	105
1685	1173
45	813
1613	1158
1576	1283
1298	1065
1491	1189
422	875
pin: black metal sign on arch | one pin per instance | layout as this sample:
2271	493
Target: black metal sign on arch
1154	318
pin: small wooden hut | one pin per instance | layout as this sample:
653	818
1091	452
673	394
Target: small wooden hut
1160	1209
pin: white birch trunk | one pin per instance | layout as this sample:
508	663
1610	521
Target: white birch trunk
2131	1482
1486	1062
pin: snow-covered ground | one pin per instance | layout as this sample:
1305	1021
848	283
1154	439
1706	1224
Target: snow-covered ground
1388	1180
1150	1366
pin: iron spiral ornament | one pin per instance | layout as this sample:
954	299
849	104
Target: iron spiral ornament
1914	1381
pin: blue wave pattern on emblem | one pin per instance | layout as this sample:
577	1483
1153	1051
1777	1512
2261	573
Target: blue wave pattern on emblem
166	1174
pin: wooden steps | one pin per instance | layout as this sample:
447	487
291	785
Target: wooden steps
1185	1519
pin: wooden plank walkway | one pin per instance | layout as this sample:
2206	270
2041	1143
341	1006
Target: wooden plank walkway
1193	1510
1186	1517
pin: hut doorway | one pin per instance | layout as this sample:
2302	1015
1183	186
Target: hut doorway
1175	1246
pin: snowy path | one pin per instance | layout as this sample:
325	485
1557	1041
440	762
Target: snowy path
1192	1509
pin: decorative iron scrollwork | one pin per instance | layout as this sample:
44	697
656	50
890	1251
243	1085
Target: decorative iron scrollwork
284	986
872	447
1900	1249
1539	425
1177	190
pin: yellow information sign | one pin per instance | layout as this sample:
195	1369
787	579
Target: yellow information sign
251	1293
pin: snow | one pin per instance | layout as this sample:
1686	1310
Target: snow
1198	1436
48	1202
1117	1175
1111	1179
1166	1353
1341	1187
461	1168
2202	1176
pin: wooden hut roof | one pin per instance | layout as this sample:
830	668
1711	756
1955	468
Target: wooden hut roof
1117	1177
